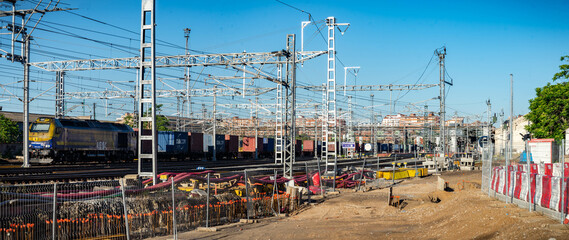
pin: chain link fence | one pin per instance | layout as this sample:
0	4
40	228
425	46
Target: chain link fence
180	202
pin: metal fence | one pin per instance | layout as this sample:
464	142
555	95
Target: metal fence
541	187
137	209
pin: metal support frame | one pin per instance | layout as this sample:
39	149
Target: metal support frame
441	55
208	92
279	131
372	121
20	34
147	95
220	59
59	94
329	135
26	100
290	105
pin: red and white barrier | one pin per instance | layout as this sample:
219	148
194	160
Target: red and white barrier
533	168
518	186
557	170
546	191
548	169
555	200
495	177
541	169
538	188
524	190
502	181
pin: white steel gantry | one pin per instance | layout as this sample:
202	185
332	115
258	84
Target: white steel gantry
290	106
147	99
279	131
329	135
59	94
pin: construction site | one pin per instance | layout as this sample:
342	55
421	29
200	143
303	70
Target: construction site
172	120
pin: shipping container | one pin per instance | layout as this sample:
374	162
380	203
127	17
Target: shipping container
196	142
172	142
219	143
308	146
269	146
231	144
207	142
298	147
248	144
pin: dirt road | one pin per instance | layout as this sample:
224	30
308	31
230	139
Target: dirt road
461	214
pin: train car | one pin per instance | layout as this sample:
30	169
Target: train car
268	148
247	147
72	140
196	149
308	148
172	145
231	146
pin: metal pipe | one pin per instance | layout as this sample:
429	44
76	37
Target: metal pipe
54	215
127	231
175	230
207	204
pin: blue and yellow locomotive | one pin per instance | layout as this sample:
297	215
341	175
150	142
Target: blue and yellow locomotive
72	140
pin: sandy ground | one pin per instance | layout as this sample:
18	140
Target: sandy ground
464	214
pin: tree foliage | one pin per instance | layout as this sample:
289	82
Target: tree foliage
564	70
9	131
549	110
162	121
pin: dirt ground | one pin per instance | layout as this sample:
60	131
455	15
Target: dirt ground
461	214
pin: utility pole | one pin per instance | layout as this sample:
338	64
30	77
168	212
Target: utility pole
215	122
147	80
187	78
330	134
372	121
350	126
22	35
502	127
441	53
315	132
256	127
355	69
511	135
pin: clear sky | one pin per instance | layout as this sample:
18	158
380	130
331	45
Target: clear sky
392	41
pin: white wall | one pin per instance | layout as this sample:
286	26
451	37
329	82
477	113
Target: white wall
500	134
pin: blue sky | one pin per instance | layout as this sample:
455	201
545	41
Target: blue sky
392	42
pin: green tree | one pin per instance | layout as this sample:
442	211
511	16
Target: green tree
162	121
564	70
9	131
549	110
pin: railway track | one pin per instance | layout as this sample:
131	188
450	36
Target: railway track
70	173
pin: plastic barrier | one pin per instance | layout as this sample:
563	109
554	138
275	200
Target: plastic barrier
495	179
502	181
555	200
524	187
399	174
548	169
520	167
541	169
557	170
533	168
518	185
538	188
546	191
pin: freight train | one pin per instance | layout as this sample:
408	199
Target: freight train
73	140
70	140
